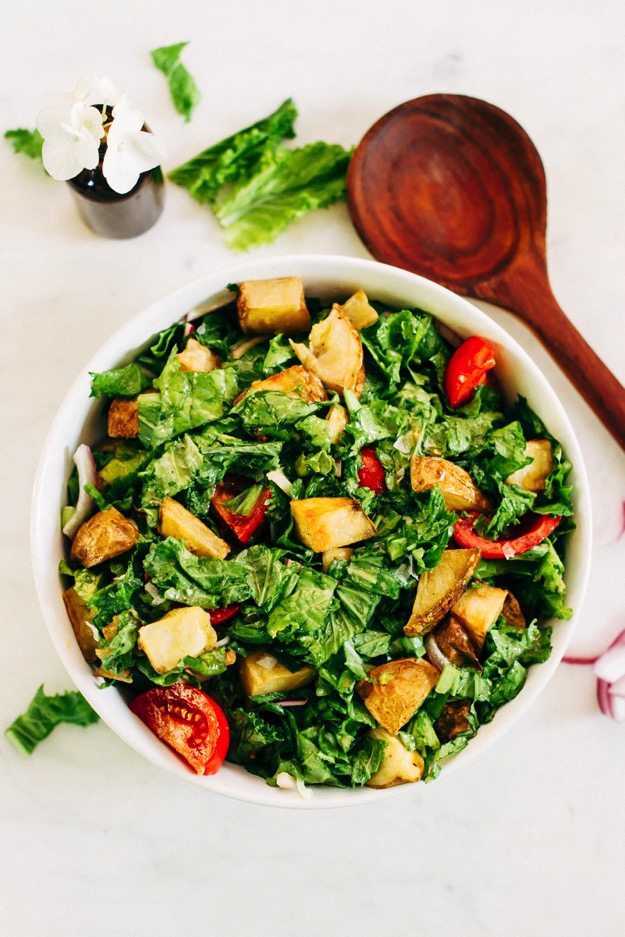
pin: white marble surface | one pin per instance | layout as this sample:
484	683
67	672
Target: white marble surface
528	839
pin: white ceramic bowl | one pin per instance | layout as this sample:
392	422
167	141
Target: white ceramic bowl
77	421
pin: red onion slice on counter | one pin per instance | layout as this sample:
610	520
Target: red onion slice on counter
87	475
609	668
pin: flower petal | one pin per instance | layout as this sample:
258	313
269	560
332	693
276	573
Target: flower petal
61	157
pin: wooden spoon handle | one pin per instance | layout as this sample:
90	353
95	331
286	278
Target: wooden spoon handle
531	297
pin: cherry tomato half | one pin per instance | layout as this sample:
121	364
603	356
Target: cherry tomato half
243	526
189	722
467	368
219	615
371	473
535	530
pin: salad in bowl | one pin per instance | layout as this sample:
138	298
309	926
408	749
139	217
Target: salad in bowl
316	534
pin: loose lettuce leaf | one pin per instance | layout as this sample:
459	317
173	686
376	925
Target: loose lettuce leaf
298	619
184	92
28	142
288	184
119	382
236	157
44	713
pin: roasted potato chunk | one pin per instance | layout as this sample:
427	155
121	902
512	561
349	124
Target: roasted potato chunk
295	382
338	553
197	357
459	491
439	588
453	720
260	672
398	766
335	353
175	521
533	476
359	311
394	691
183	632
478	609
325	523
455	643
337	421
268	307
105	535
80	616
513	613
123	419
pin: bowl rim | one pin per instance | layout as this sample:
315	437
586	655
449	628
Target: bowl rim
45	537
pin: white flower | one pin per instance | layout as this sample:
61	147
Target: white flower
129	149
72	129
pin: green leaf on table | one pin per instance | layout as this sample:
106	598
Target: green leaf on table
236	157
287	185
28	142
44	713
184	92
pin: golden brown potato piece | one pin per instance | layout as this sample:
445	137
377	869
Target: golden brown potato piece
394	691
338	553
453	720
533	476
513	613
335	353
105	535
123	419
478	609
398	766
459	492
455	643
197	357
325	523
260	672
439	588
183	632
358	310
294	382
175	521
80	616
268	307
337	421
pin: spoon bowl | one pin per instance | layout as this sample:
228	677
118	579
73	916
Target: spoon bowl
453	188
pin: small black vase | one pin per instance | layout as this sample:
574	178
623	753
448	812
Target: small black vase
112	215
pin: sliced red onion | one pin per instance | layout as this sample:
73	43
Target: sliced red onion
223	641
618	708
87	475
278	477
604	699
609	668
189	329
618	688
152	591
292	702
611	665
434	653
239	350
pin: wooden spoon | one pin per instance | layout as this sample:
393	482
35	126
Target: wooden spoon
453	188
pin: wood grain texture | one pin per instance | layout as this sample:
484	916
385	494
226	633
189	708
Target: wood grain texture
453	188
